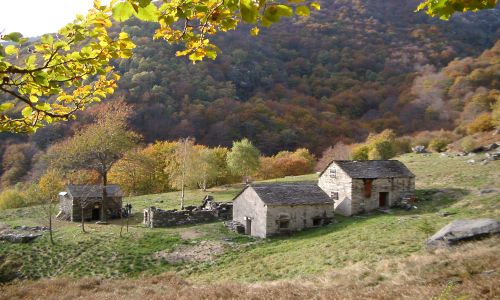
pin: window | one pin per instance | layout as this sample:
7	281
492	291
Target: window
334	195
316	221
333	173
284	224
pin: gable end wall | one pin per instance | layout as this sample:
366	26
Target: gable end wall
342	184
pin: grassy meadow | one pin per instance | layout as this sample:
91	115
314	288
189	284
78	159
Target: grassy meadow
443	184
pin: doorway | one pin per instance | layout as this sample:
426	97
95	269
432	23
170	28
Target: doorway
382	200
96	213
248	227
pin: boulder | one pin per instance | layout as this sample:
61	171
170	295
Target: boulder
463	230
19	237
419	149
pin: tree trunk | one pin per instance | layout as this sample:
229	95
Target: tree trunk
128	216
182	196
83	219
50	224
104	197
121	222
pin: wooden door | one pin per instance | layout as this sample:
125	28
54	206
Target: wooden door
382	200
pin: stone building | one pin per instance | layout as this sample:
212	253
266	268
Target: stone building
272	209
361	186
90	197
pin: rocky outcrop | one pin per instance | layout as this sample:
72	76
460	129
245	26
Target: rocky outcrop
463	230
419	149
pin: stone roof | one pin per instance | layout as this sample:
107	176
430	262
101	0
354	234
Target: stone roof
93	191
373	168
300	193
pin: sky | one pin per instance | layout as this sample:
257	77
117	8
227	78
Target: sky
36	17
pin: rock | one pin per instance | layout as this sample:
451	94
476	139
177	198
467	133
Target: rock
445	214
493	156
463	230
487	191
471	161
19	237
235	226
484	162
34	228
419	149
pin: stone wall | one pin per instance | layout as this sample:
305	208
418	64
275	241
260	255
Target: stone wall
349	194
395	188
113	207
338	185
297	217
250	211
209	211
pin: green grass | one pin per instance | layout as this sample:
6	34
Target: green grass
444	184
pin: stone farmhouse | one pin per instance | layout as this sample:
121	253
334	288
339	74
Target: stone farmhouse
362	186
273	209
90	196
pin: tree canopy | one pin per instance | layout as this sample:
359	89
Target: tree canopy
52	78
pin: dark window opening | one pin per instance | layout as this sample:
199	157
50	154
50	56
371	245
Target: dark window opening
333	173
284	224
335	195
317	222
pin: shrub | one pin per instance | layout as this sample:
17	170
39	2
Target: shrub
468	144
12	198
482	123
360	152
439	144
402	145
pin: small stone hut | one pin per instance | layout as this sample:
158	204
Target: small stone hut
362	186
90	196
280	208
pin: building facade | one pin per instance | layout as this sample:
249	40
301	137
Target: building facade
362	186
86	200
275	209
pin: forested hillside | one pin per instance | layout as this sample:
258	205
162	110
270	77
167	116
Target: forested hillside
347	70
352	68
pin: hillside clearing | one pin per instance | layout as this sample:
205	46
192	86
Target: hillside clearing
443	184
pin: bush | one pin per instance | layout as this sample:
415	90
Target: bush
481	124
468	144
402	145
12	198
439	144
360	152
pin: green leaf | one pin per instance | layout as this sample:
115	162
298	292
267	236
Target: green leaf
284	11
144	3
6	106
148	13
26	112
11	50
122	11
33	98
303	11
248	11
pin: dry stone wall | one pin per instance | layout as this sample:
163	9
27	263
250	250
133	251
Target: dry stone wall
209	211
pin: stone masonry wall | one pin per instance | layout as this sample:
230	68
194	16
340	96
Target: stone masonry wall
335	180
249	209
299	217
395	187
154	217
